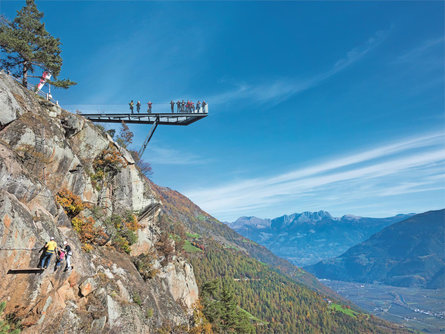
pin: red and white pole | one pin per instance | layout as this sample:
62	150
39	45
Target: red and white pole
45	76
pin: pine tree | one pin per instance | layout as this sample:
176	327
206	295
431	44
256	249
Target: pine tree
229	309
26	45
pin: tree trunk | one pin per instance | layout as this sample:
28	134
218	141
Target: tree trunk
25	75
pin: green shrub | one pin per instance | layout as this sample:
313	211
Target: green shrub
9	326
149	313
137	298
144	265
121	244
130	236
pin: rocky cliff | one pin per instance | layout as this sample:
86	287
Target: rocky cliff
62	176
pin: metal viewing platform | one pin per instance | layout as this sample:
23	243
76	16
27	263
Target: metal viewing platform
146	118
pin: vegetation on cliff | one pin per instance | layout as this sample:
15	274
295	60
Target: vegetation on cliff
7	326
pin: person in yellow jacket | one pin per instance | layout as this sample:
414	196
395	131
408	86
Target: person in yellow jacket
50	248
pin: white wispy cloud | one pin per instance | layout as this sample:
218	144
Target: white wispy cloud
412	165
282	89
419	51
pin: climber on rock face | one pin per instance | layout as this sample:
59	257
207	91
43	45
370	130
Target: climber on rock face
49	249
69	254
60	257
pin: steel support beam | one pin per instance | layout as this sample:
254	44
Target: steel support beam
150	134
147	118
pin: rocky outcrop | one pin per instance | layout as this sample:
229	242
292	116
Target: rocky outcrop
43	150
180	282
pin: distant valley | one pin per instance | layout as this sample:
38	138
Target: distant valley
418	308
309	237
410	253
391	267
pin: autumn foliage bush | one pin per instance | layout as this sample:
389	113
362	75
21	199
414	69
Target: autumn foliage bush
109	162
86	228
89	234
71	203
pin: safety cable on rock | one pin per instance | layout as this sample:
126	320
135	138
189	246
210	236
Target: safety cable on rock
30	249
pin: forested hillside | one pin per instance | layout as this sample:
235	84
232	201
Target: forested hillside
180	209
272	301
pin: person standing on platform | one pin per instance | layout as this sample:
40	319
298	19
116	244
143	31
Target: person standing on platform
178	106
149	107
182	105
138	106
192	107
131	106
204	106
198	107
172	104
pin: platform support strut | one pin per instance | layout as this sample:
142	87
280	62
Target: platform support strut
147	140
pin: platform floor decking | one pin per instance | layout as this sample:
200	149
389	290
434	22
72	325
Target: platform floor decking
160	118
25	271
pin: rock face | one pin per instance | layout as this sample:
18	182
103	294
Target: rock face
43	150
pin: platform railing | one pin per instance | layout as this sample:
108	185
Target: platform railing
31	87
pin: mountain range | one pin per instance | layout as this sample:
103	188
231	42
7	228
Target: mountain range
410	253
309	237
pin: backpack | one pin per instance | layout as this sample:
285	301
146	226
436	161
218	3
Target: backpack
61	255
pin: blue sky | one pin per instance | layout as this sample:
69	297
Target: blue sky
312	105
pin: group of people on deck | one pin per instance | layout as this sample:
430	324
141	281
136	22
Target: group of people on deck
138	106
188	107
181	107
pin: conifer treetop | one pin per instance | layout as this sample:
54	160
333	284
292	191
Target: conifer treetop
26	45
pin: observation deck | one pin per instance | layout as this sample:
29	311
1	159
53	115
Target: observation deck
148	118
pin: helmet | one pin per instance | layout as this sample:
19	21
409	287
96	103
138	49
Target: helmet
65	243
51	238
